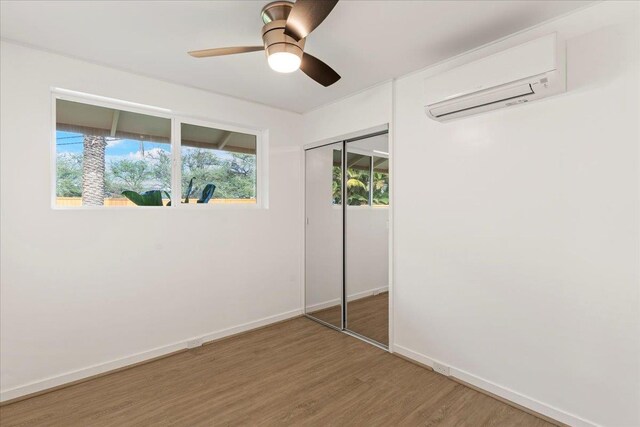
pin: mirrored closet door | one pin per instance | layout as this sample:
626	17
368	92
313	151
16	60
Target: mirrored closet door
367	238
347	236
324	234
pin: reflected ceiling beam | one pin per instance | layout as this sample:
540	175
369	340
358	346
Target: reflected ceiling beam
354	161
225	140
380	161
114	122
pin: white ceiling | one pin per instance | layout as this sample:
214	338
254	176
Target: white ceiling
366	42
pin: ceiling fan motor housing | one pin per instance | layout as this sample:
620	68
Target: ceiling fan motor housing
286	25
275	15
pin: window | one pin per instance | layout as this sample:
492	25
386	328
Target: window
219	164
103	153
114	157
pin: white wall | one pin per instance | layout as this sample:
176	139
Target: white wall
91	290
516	232
361	111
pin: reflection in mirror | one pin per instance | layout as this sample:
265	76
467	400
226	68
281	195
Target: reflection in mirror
323	235
367	237
380	181
358	179
336	185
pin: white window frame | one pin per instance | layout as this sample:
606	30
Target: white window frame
262	150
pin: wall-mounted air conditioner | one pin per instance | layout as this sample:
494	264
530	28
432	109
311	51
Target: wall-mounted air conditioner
524	73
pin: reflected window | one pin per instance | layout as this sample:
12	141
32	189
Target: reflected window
380	182
358	179
336	182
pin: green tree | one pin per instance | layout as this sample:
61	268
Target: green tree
336	185
357	187
237	177
128	174
69	175
380	188
233	174
161	169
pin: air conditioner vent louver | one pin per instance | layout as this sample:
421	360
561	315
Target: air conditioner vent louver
524	73
478	101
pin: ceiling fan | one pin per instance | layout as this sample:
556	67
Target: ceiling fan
286	27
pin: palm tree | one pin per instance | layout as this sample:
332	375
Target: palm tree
93	170
380	188
357	187
336	185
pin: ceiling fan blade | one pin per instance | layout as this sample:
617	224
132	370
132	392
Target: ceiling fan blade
318	70
224	51
306	15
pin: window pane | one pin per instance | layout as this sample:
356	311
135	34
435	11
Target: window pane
109	157
380	181
336	184
358	167
218	166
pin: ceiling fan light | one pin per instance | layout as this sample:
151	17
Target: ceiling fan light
284	62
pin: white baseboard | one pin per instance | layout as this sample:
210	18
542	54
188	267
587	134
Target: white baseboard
101	368
367	293
498	390
352	297
323	305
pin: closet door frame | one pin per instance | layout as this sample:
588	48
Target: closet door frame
345	139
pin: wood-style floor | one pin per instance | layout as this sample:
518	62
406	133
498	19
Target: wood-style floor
370	317
367	316
292	373
330	315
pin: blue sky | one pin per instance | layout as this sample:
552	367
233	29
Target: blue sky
71	142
